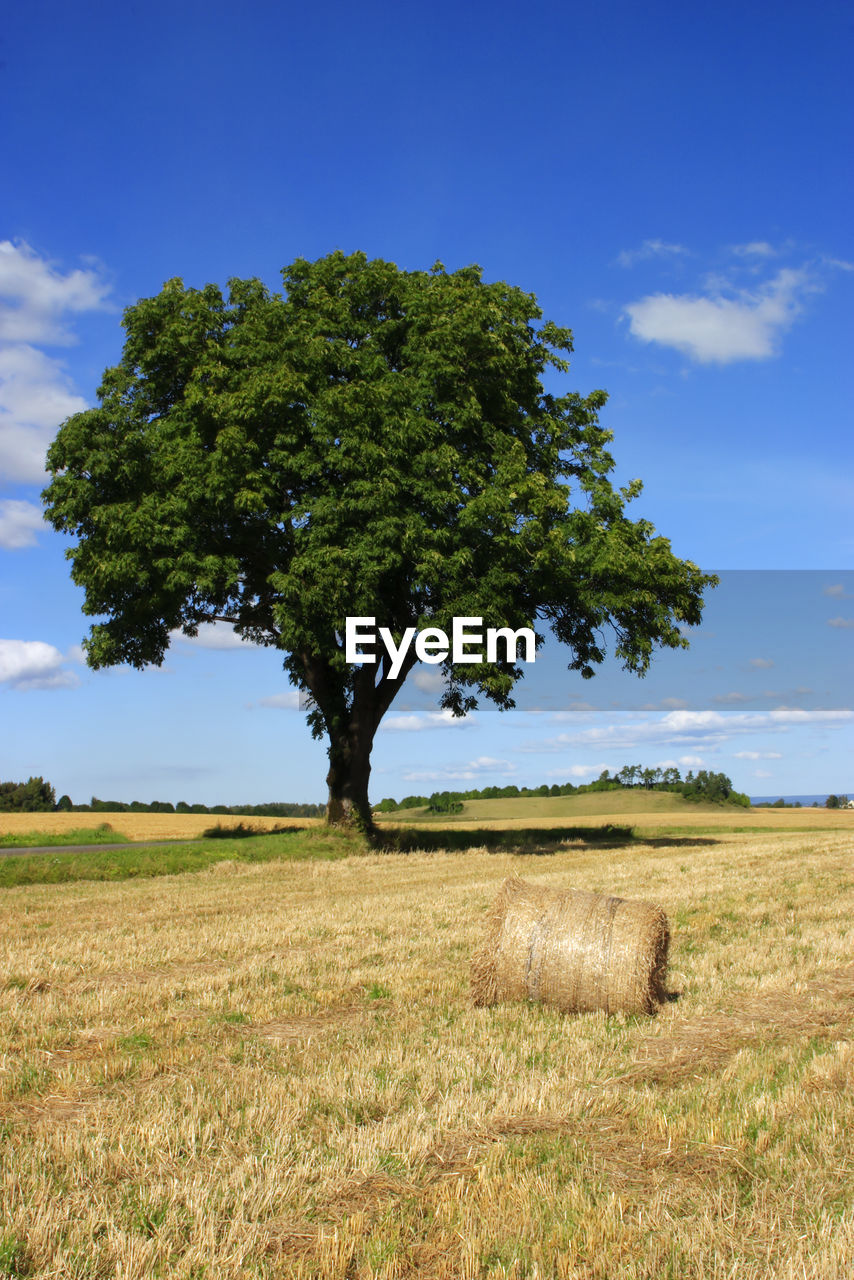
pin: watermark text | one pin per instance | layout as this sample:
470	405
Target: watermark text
432	644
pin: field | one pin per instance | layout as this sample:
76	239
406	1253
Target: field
274	1070
141	826
648	812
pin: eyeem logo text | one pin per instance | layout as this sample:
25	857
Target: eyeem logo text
432	644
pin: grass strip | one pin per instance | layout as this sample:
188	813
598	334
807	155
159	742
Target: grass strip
168	860
104	834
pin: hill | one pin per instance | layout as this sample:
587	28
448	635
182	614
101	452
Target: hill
604	804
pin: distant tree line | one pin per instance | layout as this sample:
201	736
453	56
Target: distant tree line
702	786
836	802
38	796
831	802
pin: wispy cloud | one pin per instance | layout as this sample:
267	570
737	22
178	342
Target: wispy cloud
19	524
37	300
214	635
754	249
33	664
666	704
468	772
757	755
837	591
840	622
287	701
578	771
706	728
762	664
418	721
650	249
428	679
783	697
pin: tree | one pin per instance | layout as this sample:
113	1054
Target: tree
371	442
33	796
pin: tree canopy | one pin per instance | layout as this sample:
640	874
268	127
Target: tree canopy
33	796
369	442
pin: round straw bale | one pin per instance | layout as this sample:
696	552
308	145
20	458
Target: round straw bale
574	950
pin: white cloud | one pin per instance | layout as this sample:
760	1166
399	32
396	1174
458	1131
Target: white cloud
719	329
34	296
762	773
649	249
19	523
757	755
33	664
36	393
424	720
214	635
837	590
840	622
763	664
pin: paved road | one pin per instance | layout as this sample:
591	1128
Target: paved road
18	850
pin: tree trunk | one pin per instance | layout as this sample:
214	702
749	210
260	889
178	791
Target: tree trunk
351	730
347	779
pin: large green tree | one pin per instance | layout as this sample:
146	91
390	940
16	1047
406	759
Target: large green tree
370	442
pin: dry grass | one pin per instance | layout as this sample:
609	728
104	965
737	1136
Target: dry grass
276	1071
143	826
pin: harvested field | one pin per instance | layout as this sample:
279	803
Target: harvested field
277	1071
143	826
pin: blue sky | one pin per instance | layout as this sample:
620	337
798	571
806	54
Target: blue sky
670	181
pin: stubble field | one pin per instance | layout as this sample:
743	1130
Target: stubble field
274	1070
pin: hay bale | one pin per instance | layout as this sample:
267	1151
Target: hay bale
574	950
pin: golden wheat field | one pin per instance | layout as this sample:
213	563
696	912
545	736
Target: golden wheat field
276	1071
142	826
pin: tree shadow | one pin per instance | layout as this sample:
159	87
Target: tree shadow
532	841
